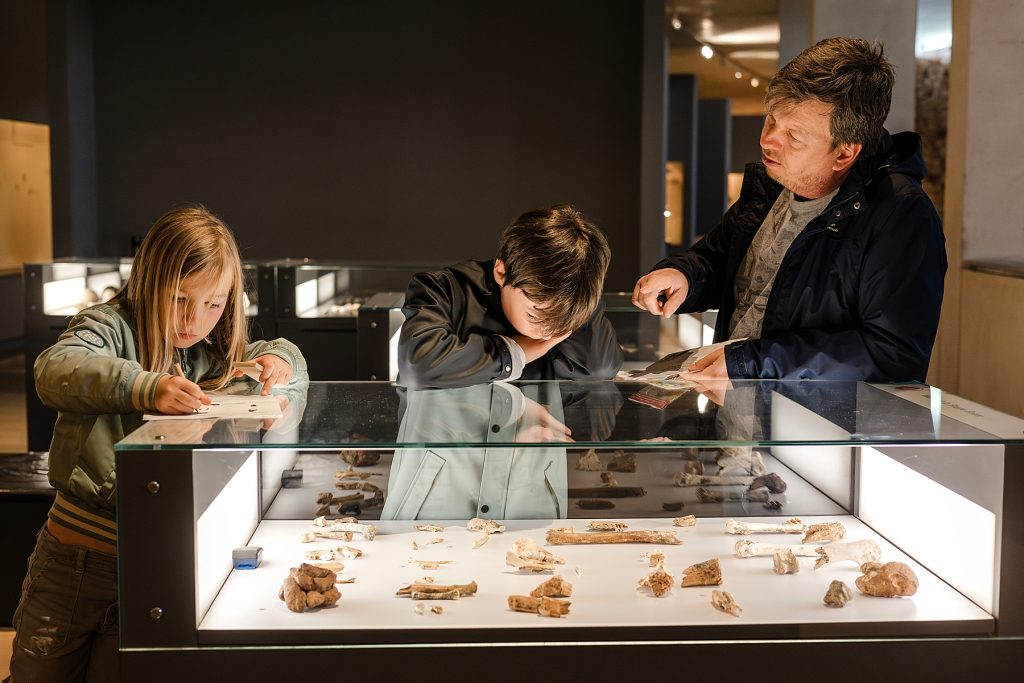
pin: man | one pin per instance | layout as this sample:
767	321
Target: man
830	264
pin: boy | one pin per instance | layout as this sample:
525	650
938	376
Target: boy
535	312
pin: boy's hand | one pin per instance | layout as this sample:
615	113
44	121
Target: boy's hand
179	396
535	348
276	371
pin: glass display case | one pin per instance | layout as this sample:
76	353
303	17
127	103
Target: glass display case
56	290
320	307
891	474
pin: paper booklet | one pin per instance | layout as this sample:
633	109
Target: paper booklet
230	406
664	377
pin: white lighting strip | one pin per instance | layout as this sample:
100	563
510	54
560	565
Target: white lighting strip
60	295
305	297
227	523
951	535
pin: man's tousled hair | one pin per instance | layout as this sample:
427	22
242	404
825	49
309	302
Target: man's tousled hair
849	74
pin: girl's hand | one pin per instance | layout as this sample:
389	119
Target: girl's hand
179	396
276	371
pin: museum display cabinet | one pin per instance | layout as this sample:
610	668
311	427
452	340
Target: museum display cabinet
343	315
911	474
55	291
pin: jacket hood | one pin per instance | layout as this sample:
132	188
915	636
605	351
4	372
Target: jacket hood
899	153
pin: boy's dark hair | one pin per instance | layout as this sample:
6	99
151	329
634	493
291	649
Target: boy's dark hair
559	260
850	74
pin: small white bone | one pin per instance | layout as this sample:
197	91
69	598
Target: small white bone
756	549
784	562
367	530
791	526
488	526
855	551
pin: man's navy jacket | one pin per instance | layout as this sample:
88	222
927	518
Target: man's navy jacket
857	295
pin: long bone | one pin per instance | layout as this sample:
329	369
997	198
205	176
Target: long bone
855	551
772	481
757	549
707	496
793	525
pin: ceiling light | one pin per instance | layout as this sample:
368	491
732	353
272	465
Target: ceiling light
754	82
668	214
676	21
739	75
707	52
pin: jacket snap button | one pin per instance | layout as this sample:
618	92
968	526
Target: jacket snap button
495	428
839	213
856	205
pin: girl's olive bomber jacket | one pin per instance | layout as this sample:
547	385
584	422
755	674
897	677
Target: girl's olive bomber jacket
93	378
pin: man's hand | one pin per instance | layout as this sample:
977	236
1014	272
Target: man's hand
667	283
712	374
535	348
179	396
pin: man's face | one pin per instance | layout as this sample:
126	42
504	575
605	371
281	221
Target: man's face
796	148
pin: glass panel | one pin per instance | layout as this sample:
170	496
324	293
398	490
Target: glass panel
378	415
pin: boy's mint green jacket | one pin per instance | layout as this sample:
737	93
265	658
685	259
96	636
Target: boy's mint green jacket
92	377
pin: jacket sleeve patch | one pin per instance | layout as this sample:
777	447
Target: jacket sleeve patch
90	337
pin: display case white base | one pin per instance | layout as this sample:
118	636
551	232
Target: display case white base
604	595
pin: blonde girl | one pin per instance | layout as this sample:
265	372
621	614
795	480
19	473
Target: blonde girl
171	334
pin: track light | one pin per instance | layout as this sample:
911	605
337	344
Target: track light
707	52
677	23
754	82
739	75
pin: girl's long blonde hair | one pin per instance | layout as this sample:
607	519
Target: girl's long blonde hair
185	242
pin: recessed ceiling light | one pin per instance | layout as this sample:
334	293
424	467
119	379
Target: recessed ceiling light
707	52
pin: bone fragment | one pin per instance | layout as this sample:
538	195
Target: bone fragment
708	496
478	543
436	609
693	467
687	479
791	526
889	580
855	551
826	531
555	587
568	537
536	566
578	569
838	594
673	506
607	526
348	580
419	608
685	520
785	562
311	536
360	458
352	474
322	521
707	573
527	549
757	549
368	531
770	481
434	528
425	579
740	459
659	582
622	462
608	492
323	553
589	462
326	500
488	526
430	541
429	564
594	504
545	607
422	595
608	479
308	586
654	558
348	552
723	601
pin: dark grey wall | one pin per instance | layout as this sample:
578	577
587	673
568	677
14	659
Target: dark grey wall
714	133
746	141
362	130
23	60
682	142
